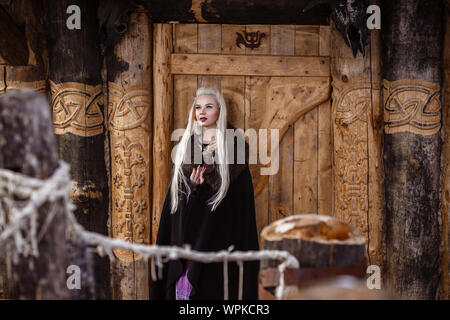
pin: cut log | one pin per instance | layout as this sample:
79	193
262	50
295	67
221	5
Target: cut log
29	147
412	146
324	247
78	113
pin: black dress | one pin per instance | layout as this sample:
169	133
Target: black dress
233	223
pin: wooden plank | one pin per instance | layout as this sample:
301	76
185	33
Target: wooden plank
210	81
209	41
259	30
185	38
282	40
324	41
210	64
305	163
325	156
262	211
256	91
163	116
281	184
233	92
255	108
307	40
255	103
229	35
209	38
184	87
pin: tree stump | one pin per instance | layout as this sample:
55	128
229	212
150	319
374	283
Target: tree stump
324	246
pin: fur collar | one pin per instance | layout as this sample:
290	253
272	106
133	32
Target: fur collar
211	174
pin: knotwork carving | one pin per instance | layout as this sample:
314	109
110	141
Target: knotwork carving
128	118
128	108
411	106
77	108
351	108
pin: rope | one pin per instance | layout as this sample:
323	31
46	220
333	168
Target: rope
22	196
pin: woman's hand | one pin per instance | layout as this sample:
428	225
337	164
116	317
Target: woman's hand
197	176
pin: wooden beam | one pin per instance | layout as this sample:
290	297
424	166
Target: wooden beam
412	146
238	11
163	119
235	65
130	131
78	120
13	42
445	196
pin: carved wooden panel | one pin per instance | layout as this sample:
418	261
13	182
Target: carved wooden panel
352	123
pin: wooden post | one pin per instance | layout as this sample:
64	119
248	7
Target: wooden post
130	128
78	113
357	165
163	119
30	148
445	197
412	145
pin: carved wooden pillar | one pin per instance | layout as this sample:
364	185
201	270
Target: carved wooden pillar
130	128
357	141
78	115
412	145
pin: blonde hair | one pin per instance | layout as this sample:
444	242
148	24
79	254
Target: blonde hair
220	154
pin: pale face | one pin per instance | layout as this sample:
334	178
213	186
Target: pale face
206	111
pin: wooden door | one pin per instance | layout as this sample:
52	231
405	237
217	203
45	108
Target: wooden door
278	81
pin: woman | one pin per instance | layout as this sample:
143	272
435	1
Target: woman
209	206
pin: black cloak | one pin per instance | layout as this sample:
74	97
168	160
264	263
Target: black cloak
233	223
